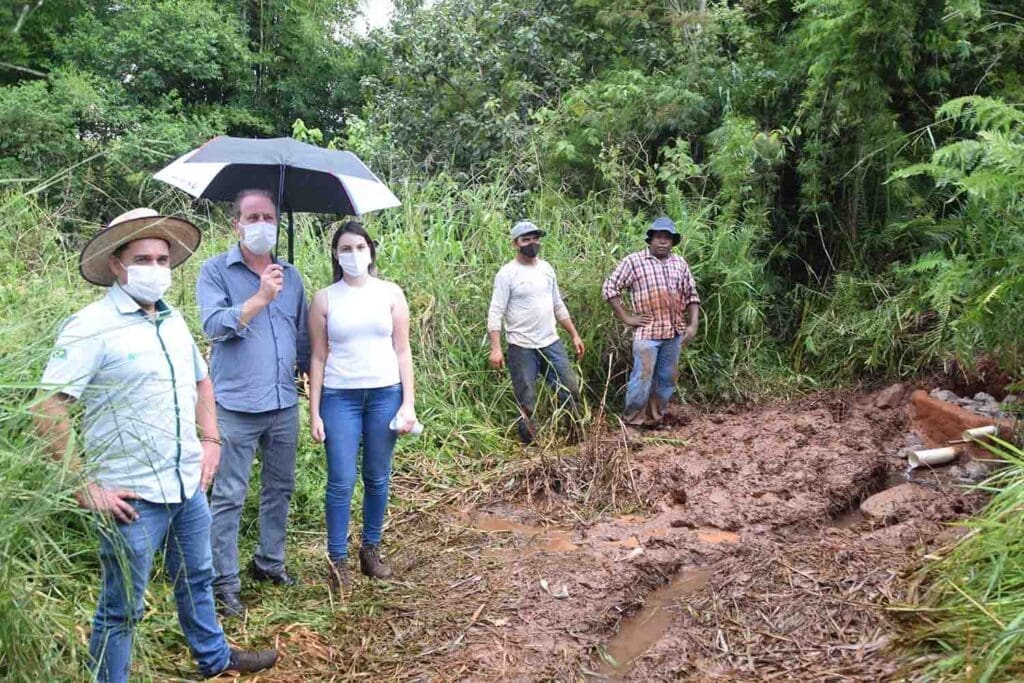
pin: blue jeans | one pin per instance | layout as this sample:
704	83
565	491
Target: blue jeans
351	417
652	380
525	366
126	558
276	434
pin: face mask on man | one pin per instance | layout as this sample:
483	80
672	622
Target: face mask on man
355	263
147	284
259	238
530	250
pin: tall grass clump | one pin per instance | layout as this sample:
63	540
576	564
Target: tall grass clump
970	612
43	534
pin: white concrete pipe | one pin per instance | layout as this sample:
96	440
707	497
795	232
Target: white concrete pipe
979	433
932	457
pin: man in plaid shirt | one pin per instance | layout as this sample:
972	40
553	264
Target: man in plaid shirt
665	317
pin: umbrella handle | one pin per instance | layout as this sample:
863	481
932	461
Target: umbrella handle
291	239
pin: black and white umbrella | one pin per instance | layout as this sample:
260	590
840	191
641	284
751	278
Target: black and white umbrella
305	177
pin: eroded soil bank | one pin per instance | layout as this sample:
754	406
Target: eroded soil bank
748	560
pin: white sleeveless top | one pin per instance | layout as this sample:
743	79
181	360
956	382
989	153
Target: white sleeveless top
360	351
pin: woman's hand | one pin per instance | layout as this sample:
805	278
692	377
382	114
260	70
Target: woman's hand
405	420
316	428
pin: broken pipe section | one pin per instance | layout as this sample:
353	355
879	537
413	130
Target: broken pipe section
932	457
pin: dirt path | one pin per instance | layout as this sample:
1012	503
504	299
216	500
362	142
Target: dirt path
748	560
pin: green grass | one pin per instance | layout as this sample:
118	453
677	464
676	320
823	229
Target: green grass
970	613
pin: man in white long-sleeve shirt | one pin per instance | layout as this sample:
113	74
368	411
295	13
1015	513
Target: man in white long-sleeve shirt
527	300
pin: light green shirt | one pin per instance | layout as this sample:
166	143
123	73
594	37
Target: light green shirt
136	377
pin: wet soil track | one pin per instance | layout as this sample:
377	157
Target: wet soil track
746	501
743	564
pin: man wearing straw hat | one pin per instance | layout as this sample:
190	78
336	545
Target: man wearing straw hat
253	308
527	300
130	359
665	317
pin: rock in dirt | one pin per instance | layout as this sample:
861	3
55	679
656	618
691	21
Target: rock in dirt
891	397
912	440
975	470
898	502
944	395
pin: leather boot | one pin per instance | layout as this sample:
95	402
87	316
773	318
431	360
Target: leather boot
229	604
371	564
338	576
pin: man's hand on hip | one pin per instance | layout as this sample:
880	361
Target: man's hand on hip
638	320
108	501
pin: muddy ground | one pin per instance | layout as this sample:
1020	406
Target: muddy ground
744	556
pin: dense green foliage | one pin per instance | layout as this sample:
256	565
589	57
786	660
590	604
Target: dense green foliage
846	174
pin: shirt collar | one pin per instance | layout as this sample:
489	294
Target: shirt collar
648	255
124	304
235	256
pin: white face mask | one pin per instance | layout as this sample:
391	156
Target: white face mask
259	238
355	263
147	284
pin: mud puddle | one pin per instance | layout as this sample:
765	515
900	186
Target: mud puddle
639	632
538	538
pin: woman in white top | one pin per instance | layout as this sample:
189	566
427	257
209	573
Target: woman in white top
360	379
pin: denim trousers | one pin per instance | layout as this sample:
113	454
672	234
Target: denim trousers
354	417
526	366
126	558
275	433
652	380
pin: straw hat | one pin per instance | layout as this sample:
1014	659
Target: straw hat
137	224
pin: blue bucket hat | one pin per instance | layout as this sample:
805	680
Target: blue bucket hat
664	224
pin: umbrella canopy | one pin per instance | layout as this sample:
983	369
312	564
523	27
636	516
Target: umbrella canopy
304	177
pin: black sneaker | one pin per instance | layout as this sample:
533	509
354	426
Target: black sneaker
229	604
280	579
246	662
371	564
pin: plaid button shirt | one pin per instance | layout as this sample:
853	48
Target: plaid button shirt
660	289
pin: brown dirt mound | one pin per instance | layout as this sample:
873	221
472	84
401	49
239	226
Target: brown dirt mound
745	497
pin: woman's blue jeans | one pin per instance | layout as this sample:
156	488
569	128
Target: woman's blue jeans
354	417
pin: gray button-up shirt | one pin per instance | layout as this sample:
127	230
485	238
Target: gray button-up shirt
136	377
253	366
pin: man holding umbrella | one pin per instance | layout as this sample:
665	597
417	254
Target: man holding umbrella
253	308
131	361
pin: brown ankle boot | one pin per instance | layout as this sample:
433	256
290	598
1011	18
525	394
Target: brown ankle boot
371	564
338	576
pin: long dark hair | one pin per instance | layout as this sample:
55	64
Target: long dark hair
352	228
